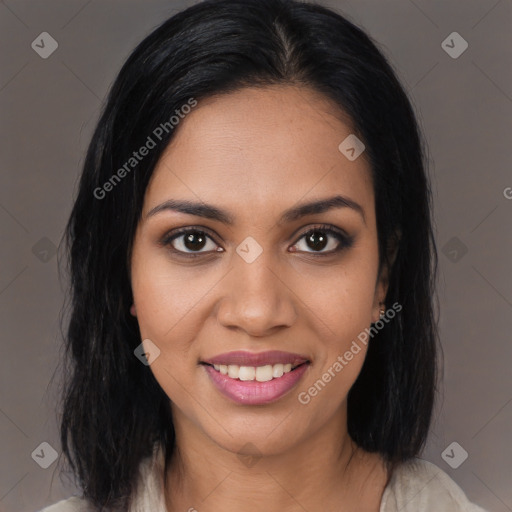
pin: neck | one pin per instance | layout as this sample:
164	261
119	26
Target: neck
326	471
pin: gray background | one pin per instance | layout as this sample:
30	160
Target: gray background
49	108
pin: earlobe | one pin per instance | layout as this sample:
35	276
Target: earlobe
381	313
133	311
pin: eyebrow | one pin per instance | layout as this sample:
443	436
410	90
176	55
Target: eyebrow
209	211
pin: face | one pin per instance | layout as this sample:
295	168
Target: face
304	284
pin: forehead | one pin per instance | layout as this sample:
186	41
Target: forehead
260	147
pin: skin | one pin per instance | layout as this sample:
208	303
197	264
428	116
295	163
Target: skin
256	153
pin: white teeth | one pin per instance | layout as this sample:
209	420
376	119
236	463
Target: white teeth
246	373
277	370
264	373
258	373
233	371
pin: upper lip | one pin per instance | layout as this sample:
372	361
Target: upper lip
244	358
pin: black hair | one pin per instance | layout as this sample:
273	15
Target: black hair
114	412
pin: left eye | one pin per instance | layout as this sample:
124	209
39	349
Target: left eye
318	240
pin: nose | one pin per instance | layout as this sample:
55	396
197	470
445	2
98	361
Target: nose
256	297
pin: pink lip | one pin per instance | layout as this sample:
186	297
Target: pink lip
254	392
244	358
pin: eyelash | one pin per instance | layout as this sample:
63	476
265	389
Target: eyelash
345	241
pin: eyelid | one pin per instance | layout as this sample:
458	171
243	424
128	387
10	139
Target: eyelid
321	227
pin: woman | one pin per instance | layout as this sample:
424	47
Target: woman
252	264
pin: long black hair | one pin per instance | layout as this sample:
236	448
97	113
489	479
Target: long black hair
113	410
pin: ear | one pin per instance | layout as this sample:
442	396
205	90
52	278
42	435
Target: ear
381	288
133	311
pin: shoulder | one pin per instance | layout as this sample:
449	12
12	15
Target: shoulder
418	485
148	495
70	505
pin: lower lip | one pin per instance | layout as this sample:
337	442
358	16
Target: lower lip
253	392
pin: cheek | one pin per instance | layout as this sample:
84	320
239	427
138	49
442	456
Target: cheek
166	296
170	302
341	298
339	306
162	307
341	315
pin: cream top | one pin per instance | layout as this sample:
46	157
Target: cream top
415	486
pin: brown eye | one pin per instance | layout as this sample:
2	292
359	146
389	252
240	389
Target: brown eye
189	241
319	238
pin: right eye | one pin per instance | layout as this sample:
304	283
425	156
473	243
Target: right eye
189	242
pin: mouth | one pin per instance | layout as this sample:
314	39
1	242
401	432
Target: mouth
255	385
256	366
263	373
